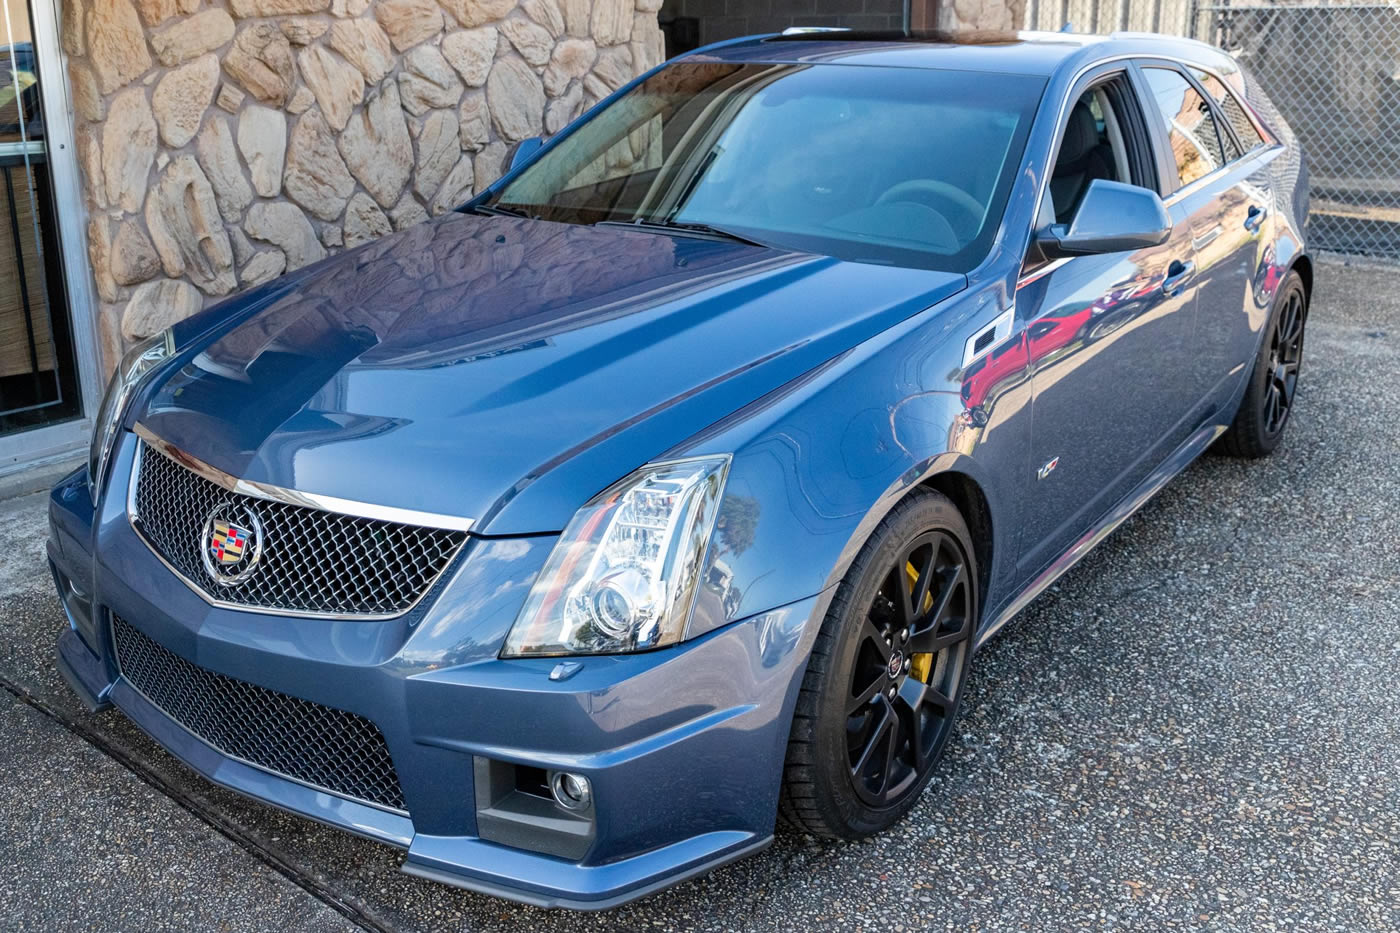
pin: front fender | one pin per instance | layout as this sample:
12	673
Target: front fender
818	464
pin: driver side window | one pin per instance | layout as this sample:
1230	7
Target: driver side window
1091	148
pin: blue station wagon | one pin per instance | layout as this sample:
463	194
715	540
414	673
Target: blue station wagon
667	488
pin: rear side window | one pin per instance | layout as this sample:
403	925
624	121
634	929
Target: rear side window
1189	122
1233	110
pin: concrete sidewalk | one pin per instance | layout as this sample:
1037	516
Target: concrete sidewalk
91	846
1196	728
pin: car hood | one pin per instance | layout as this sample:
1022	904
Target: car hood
506	369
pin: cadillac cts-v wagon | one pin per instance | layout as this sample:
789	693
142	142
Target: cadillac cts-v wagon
668	487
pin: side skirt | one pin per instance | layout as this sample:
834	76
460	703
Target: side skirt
1180	459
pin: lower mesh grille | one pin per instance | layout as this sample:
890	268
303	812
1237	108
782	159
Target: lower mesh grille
317	745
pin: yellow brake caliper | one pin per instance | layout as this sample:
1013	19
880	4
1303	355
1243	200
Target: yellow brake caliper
919	664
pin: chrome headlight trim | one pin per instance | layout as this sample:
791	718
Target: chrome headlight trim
624	574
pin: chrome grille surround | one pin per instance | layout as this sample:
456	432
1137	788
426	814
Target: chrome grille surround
314	561
319	746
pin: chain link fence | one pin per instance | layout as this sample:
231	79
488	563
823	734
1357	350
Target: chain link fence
1103	16
1332	67
1333	71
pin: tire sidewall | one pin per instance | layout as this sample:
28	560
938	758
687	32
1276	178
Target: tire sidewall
1258	386
921	513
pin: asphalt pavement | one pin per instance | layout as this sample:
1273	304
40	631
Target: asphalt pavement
1197	728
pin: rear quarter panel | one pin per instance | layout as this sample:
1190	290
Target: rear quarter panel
1288	172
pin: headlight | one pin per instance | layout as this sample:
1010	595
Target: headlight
623	576
138	361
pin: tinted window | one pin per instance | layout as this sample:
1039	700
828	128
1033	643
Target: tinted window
887	165
1234	111
1189	123
1089	151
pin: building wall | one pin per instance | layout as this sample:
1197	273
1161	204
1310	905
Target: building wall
224	142
982	14
728	19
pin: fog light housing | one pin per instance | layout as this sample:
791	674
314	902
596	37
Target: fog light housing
533	808
78	605
571	791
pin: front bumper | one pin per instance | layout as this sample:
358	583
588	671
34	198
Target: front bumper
684	746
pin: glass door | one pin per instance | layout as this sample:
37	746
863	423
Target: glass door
39	383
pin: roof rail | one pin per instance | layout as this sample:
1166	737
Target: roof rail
805	30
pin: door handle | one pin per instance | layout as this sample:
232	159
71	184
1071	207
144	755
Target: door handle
1255	218
1177	275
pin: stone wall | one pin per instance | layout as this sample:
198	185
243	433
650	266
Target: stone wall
224	142
982	14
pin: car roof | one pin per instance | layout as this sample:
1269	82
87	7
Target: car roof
1035	53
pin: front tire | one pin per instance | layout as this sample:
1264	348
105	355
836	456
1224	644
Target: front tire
1273	383
884	682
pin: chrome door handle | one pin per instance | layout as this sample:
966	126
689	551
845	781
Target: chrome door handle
1255	218
1177	275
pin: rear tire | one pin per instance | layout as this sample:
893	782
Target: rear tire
883	685
1273	383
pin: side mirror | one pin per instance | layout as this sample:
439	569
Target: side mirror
1112	218
522	152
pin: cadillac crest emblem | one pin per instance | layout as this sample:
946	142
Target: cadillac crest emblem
231	543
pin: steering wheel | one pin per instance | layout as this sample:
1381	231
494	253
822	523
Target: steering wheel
825	189
948	195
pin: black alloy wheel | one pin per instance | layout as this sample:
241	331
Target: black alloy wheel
1272	391
1285	360
907	669
884	682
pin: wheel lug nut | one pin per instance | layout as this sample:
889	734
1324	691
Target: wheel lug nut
887	640
904	634
906	664
893	693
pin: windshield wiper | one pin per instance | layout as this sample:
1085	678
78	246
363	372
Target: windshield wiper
694	181
497	211
683	227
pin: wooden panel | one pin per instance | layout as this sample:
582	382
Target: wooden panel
15	356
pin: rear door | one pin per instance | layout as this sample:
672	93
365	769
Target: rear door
1222	189
1110	340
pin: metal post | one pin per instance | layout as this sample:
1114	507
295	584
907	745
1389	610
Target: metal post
921	15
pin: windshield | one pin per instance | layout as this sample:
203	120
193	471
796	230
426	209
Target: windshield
889	165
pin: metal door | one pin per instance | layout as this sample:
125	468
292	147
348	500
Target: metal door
40	384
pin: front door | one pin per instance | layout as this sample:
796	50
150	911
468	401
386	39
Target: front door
1110	340
39	383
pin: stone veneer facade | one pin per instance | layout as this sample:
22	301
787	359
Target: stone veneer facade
224	142
982	14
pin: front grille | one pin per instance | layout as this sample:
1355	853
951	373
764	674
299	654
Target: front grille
310	560
326	748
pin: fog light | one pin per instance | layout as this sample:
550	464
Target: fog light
571	791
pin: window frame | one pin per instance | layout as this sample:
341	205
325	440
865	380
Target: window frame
1128	64
1172	186
1172	183
994	224
1264	138
1134	119
1138	127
